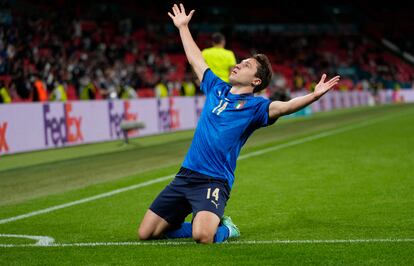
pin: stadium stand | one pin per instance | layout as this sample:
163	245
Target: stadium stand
100	50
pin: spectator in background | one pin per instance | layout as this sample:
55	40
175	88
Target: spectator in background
188	88
127	92
219	59
39	90
174	88
4	93
88	91
279	91
58	93
161	89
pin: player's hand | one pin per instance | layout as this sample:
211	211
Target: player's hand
179	18
323	87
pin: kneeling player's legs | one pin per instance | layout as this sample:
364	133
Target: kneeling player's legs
167	212
208	201
205	225
152	226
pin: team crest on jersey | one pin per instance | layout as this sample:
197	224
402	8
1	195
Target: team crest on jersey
240	104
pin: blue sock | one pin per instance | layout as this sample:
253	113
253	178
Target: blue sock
185	231
222	234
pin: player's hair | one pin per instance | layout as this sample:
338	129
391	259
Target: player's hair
264	71
217	38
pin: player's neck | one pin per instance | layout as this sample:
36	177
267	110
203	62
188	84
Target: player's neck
241	90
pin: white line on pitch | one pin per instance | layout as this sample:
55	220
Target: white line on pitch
313	137
161	179
246	242
41	240
76	202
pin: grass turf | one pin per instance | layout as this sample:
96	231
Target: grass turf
355	184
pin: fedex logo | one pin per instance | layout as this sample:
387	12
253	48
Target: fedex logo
3	137
168	118
115	119
63	129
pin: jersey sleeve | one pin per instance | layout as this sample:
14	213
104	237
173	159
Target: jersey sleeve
210	80
262	114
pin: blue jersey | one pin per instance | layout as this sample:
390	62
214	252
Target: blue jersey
225	124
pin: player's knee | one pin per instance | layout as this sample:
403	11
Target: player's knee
203	237
144	234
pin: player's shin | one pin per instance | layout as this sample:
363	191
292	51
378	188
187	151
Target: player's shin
185	231
222	234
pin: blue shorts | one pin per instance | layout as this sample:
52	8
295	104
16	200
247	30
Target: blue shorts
191	192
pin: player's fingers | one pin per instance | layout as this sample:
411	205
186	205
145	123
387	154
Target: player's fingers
323	78
332	83
191	13
171	16
175	9
335	78
182	8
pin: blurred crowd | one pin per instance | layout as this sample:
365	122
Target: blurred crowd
61	58
47	60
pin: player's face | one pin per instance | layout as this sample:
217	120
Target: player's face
243	73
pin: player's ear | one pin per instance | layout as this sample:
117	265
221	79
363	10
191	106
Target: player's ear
256	82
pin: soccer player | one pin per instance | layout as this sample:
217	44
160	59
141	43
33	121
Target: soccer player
219	59
230	115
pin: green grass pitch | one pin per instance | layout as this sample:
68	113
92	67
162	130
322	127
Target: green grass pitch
334	188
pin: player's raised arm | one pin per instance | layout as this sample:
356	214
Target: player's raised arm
191	49
278	108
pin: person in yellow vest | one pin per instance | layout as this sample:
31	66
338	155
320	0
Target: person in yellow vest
88	92
188	87
219	59
59	93
4	93
127	92
161	89
298	81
